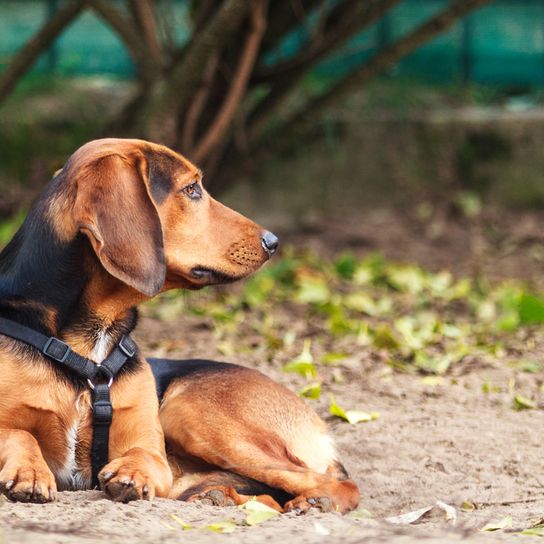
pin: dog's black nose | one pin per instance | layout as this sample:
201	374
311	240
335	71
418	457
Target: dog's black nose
270	242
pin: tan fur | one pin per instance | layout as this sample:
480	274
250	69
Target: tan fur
143	238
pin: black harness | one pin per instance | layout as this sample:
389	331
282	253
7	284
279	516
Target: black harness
58	351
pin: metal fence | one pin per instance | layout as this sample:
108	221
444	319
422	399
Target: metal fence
500	44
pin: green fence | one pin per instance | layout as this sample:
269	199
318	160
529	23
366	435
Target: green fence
500	44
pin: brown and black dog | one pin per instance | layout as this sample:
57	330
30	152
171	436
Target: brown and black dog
122	221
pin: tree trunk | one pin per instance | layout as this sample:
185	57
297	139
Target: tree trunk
157	120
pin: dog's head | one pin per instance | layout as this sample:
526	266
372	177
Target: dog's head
150	221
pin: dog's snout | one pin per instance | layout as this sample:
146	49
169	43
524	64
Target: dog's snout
270	242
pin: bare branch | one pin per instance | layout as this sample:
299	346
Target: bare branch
147	68
347	19
383	59
26	57
195	109
144	15
239	83
157	120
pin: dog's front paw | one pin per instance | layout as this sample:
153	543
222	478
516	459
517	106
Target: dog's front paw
28	482
124	480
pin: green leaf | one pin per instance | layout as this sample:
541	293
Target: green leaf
498	525
527	366
533	531
351	416
360	513
311	391
303	364
469	203
333	357
406	279
185	526
531	310
221	527
523	403
433	380
312	290
384	338
345	266
436	364
258	512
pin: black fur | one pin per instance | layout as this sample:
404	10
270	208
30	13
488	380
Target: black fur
40	273
166	370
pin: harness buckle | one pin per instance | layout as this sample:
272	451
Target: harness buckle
92	386
102	412
127	346
52	347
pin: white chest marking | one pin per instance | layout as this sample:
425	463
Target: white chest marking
69	477
101	348
65	476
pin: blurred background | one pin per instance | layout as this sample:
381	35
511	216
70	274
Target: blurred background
410	127
296	109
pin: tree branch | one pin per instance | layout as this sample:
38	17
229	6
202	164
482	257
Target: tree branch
147	69
157	120
144	15
345	20
382	60
197	105
26	57
239	83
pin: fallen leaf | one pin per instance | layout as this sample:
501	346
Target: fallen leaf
303	364
438	507
258	512
185	526
523	403
351	416
533	531
221	527
311	391
361	513
409	517
498	525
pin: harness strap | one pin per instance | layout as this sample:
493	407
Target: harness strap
51	347
102	416
56	349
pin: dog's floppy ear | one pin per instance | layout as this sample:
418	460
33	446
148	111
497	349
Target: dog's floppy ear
115	211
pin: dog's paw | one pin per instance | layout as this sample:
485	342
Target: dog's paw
301	504
123	481
28	483
217	496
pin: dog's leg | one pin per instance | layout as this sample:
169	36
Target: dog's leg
138	468
240	421
24	475
197	481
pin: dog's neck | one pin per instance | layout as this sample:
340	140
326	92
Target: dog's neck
60	289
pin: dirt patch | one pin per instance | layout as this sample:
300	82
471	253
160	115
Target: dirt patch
457	439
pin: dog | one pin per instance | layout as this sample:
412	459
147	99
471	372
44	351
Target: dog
122	221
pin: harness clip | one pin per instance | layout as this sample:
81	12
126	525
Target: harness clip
52	347
127	346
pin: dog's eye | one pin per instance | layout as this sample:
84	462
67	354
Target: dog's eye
193	191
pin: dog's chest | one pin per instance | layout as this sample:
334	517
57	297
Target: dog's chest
74	471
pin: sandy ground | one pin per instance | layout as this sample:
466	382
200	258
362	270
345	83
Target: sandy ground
450	442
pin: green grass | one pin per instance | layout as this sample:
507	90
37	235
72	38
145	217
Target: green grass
419	321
